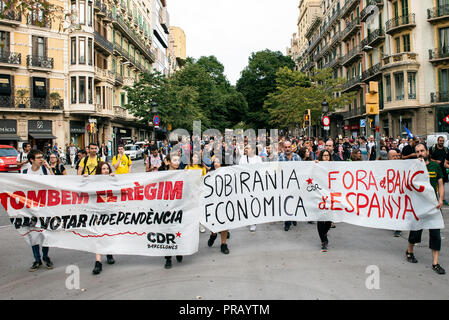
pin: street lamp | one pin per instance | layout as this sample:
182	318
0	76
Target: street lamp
324	111
154	110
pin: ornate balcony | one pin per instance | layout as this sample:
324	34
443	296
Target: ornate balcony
371	72
26	103
333	63
103	44
349	5
398	59
351	28
39	21
351	56
369	9
10	18
357	112
120	112
375	37
438	14
352	84
10	59
40	62
437	97
439	55
400	23
118	80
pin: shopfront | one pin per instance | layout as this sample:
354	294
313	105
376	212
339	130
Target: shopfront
77	133
8	133
40	133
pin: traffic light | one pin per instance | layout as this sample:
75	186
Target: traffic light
372	98
307	118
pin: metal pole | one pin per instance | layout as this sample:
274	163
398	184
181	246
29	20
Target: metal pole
376	124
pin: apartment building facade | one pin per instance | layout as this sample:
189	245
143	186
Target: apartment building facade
386	41
68	84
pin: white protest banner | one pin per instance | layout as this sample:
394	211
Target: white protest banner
394	195
137	214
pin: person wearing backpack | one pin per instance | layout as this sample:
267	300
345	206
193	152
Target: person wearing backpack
56	166
121	162
439	154
22	158
88	165
38	167
155	161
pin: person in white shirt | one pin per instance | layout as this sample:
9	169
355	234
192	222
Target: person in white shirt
22	157
250	157
39	166
72	151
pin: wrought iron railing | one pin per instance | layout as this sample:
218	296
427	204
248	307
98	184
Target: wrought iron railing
439	53
10	57
400	21
40	61
102	41
373	36
11	15
31	103
371	72
438	12
439	97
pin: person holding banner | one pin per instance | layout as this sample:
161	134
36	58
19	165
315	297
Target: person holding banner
224	234
39	166
103	168
436	180
324	226
288	155
172	161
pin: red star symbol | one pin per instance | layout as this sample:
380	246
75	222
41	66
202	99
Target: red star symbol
309	181
178	235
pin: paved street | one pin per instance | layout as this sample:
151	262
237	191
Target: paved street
269	264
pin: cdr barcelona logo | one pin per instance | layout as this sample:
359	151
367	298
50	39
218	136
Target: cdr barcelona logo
163	240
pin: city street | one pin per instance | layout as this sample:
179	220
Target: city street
267	264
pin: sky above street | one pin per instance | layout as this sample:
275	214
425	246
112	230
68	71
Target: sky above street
232	29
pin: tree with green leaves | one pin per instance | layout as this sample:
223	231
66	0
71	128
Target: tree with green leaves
295	92
258	80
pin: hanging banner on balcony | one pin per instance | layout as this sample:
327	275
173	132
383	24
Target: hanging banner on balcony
136	214
394	195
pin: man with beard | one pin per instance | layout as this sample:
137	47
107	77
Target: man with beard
436	180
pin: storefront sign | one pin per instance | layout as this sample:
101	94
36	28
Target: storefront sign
77	127
39	126
8	126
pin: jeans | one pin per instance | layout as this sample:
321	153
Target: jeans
434	238
36	253
323	229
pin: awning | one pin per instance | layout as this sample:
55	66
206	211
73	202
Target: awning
14	137
42	136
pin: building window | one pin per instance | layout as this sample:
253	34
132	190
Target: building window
122	99
82	12
399	85
411	76
4	44
89	14
406	40
444	38
73	85
82	56
388	87
89	51
73	50
398	44
90	91
82	90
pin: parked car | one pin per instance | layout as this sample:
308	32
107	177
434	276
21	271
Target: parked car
133	151
8	159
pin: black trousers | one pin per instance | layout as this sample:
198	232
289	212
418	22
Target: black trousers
323	228
434	238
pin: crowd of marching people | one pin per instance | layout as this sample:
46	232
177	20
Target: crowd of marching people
182	155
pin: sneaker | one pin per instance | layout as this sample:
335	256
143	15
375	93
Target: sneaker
211	240
397	233
438	269
36	265
98	267
252	228
110	259
295	223
179	258
48	262
286	227
202	229
332	225
167	263
224	248
410	257
324	247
